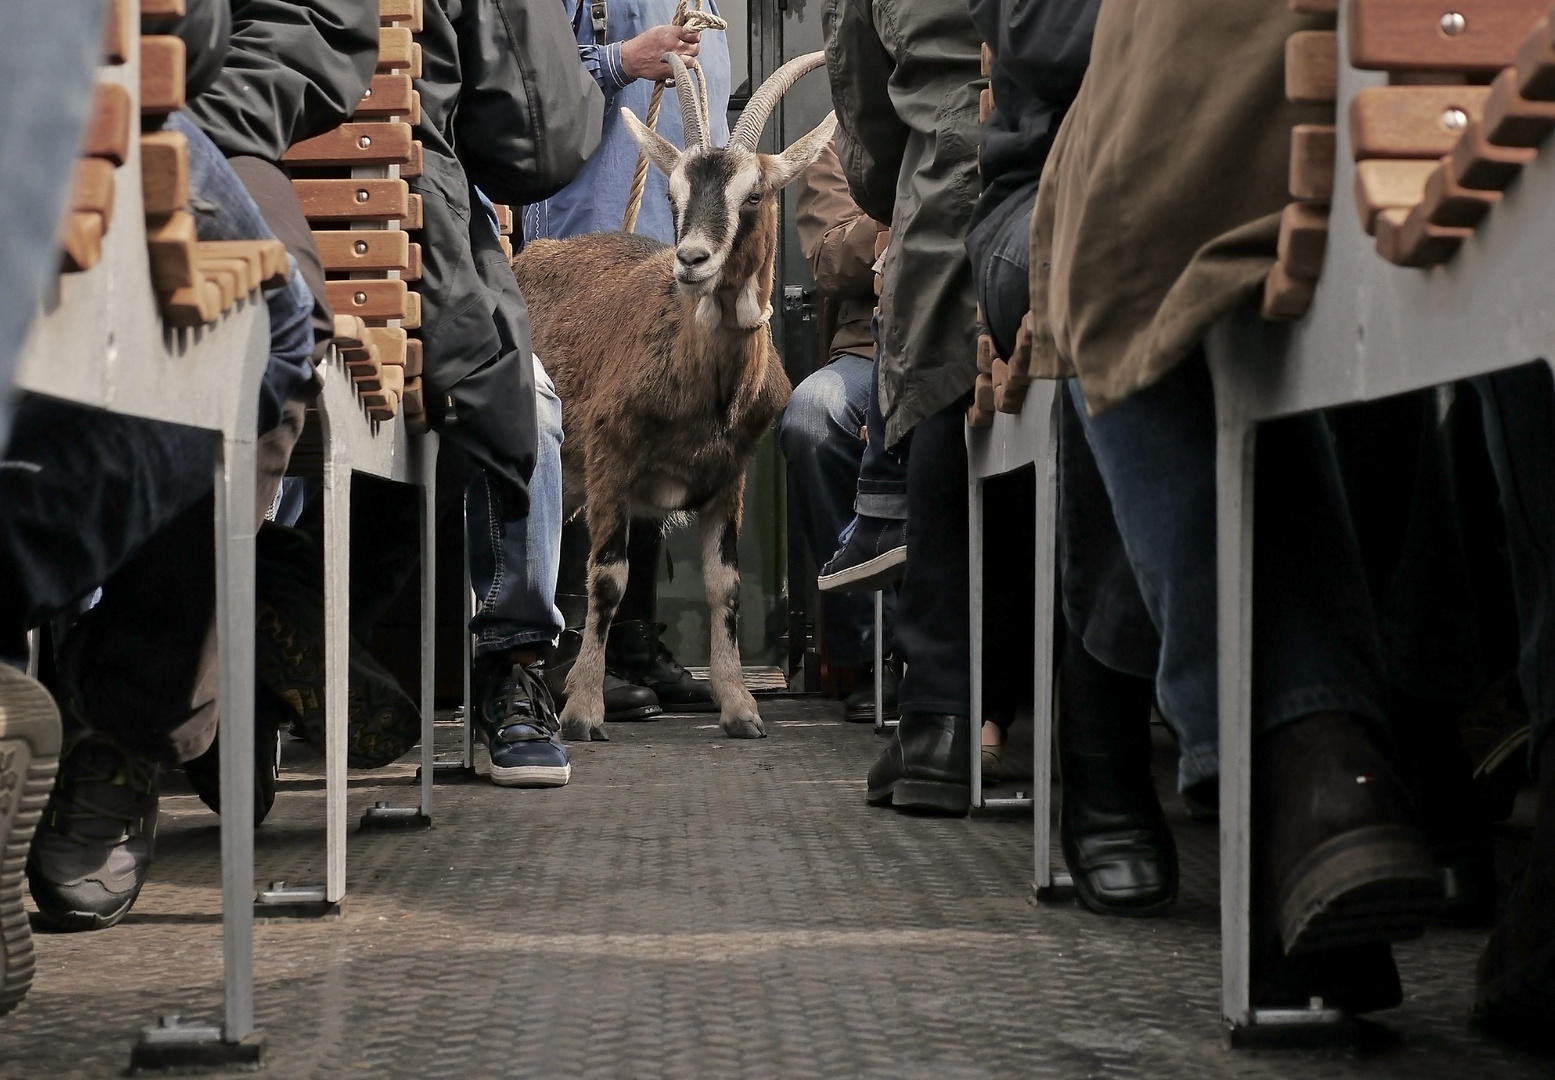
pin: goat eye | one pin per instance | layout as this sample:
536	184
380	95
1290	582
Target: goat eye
753	199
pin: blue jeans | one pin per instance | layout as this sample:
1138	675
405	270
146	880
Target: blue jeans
882	474
47	54
819	434
1519	411
1314	633
514	560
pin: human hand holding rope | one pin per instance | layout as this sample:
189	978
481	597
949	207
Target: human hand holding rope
641	57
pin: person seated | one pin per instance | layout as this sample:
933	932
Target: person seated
621	49
822	429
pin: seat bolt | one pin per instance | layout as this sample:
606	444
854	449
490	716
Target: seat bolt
1453	24
359	298
361	195
1455	120
360	247
365	141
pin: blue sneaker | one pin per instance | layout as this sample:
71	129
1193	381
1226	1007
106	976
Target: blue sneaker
519	719
872	555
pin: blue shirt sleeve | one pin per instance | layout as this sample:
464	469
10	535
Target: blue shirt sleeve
604	63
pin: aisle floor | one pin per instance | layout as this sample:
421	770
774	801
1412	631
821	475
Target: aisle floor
693	906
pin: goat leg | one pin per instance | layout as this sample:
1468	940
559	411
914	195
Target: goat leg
583	718
720	525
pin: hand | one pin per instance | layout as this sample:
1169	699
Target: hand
640	55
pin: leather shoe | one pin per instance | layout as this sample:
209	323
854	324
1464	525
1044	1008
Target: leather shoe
1114	834
926	765
634	652
624	701
1335	842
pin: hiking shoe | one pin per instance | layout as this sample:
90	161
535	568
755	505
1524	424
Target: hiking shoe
859	706
624	701
873	555
204	772
382	722
518	718
29	757
634	652
94	844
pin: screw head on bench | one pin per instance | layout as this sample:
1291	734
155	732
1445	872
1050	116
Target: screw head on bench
1453	24
1455	119
359	298
365	141
361	195
360	247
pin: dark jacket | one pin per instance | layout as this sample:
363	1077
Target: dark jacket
905	77
505	105
295	68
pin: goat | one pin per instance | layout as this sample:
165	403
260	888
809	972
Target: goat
667	372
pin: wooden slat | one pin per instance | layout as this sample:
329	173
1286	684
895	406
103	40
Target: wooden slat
91	189
377	143
412	169
1284	296
506	245
1446	202
162	73
1407	239
1536	64
984	105
387	95
1312	162
412	317
193	304
226	279
394	48
1512	120
172	249
118	29
1303	239
164	172
161	9
504	219
414	71
1386	185
1312	67
363	249
1410	121
353	200
412	358
1417	35
412	271
407	13
985	55
390	343
246	252
81	239
412	218
1478	164
108	125
349	331
382	299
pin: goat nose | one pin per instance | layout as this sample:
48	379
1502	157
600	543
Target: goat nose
692	254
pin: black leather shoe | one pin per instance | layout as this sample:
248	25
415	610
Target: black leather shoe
925	765
624	702
204	772
1115	837
1335	839
633	652
859	706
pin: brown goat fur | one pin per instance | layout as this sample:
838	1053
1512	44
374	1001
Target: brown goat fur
668	378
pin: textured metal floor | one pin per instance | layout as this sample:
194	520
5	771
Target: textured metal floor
692	906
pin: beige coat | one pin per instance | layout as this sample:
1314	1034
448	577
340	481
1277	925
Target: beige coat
1159	206
838	241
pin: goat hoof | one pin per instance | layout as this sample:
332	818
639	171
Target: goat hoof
583	729
744	727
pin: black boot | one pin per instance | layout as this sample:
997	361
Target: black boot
859	706
1335	838
634	653
624	701
204	772
926	765
1114	833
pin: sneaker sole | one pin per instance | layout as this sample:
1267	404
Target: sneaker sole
29	758
531	775
1376	884
934	795
867	716
884	569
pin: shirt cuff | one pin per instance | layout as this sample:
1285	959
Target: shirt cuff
611	70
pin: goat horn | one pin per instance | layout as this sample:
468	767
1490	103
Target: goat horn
765	99
690	117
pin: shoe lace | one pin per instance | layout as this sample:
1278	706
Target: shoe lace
100	782
528	701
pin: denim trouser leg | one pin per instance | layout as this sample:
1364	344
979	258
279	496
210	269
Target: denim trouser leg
819	433
1519	411
513	561
1314	634
1004	279
47	53
933	621
882	475
1101	601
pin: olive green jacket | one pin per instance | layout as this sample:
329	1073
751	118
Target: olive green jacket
1159	206
905	76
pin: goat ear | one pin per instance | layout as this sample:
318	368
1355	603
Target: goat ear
801	153
660	150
